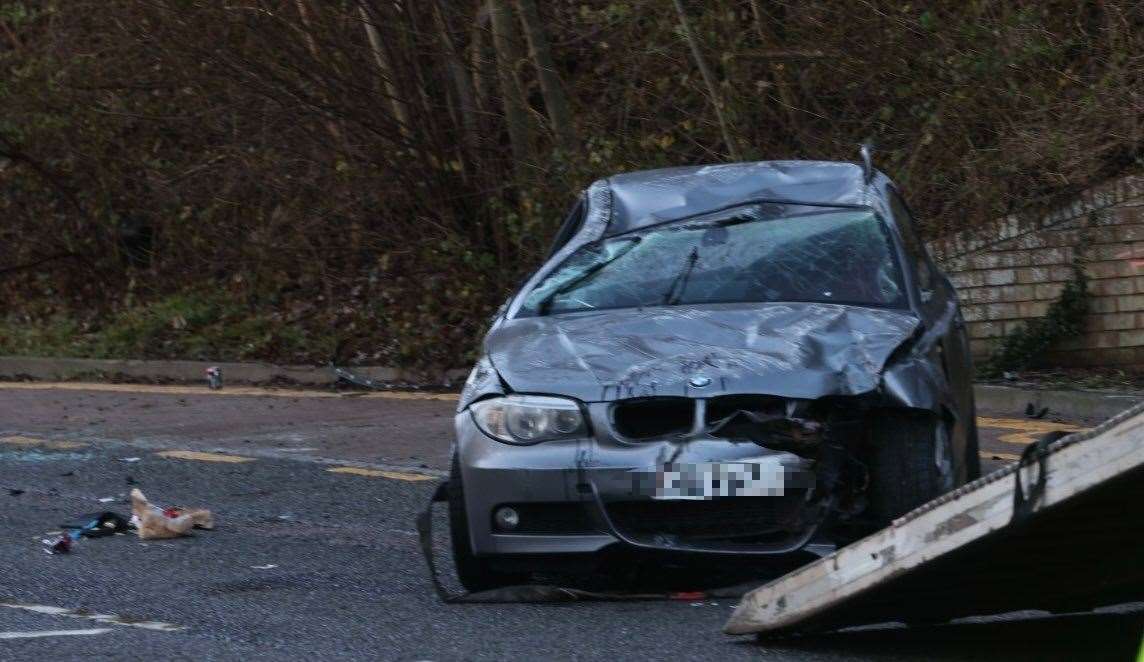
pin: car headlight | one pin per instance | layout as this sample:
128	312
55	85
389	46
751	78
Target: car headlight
528	419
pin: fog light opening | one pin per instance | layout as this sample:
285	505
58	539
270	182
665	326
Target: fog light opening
506	518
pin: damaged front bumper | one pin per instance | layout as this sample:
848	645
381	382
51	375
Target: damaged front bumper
679	493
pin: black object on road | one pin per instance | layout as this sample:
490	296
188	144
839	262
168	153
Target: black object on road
98	525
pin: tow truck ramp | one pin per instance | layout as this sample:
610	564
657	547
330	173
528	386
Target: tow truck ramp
1062	530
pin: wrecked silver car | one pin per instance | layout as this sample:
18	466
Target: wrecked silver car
743	359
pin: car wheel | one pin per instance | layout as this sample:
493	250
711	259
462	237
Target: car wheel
475	573
908	462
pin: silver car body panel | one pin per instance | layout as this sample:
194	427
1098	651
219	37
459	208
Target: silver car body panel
802	351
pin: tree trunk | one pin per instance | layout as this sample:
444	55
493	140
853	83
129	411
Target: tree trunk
385	70
461	81
312	46
708	80
555	101
507	45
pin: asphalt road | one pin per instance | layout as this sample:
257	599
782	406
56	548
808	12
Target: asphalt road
316	556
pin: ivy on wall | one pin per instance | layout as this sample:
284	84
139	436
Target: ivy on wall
1064	319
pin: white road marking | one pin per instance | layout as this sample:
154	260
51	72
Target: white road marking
52	633
110	619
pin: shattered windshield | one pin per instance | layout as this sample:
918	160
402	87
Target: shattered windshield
745	254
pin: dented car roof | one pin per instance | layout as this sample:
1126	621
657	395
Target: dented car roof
648	197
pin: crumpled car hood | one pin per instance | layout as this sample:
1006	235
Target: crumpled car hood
795	350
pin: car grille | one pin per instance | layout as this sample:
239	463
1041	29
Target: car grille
653	418
731	517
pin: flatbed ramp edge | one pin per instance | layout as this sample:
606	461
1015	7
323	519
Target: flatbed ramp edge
1075	545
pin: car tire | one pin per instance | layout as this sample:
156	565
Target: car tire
476	573
904	464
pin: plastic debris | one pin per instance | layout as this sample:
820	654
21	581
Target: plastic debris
154	522
63	544
106	499
97	525
130	459
91	525
268	566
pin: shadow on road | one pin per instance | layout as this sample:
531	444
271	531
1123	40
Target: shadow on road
1088	636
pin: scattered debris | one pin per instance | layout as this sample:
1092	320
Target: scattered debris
214	378
97	525
91	525
153	522
63	544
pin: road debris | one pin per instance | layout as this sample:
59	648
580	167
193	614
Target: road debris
13	491
97	525
130	459
214	378
268	566
154	522
91	525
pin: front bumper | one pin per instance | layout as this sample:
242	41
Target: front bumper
580	496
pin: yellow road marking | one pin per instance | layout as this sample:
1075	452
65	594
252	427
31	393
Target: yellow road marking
166	389
204	457
377	473
46	443
1027	430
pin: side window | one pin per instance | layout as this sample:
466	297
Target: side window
916	253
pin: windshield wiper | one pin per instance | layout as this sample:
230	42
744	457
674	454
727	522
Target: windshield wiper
670	298
545	304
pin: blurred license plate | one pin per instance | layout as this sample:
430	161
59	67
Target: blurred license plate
711	480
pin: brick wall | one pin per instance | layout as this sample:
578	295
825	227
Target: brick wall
1010	272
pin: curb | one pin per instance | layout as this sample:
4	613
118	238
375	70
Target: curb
1077	405
60	369
1087	406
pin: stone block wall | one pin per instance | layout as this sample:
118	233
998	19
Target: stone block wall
1010	271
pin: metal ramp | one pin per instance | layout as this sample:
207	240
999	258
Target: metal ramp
1008	541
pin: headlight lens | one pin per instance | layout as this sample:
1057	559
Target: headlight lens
528	419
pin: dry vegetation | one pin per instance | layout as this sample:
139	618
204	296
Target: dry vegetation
303	179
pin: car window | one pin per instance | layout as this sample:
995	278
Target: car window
745	254
914	248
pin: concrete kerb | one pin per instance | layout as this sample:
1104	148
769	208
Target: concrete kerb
66	369
1082	406
1088	406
